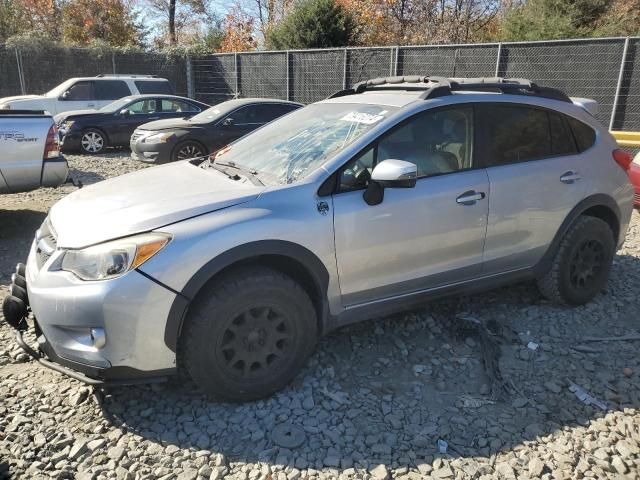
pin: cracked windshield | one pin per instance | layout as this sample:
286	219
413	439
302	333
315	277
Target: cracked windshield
294	146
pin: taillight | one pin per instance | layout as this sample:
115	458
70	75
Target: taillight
51	147
622	158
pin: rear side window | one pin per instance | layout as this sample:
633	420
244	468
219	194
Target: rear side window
562	142
585	135
515	134
266	113
153	87
111	89
178	106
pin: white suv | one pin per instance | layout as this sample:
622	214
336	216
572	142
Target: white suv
88	93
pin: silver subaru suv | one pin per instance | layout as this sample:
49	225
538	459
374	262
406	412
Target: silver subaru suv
377	199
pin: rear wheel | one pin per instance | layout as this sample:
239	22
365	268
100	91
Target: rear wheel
187	150
582	263
248	334
92	141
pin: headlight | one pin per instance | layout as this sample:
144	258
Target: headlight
160	138
112	259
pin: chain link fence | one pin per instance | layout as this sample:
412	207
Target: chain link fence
35	71
607	70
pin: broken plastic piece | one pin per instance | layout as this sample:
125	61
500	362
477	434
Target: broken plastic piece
532	346
442	446
585	397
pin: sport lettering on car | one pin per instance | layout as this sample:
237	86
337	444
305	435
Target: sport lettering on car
17	136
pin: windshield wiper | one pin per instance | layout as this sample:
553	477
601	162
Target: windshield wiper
250	173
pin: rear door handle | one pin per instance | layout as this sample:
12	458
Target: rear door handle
470	197
569	177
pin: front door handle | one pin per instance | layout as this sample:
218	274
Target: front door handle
470	197
569	177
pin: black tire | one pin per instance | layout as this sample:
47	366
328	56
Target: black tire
582	263
186	150
248	334
92	141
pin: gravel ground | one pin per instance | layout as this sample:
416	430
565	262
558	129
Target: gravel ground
373	402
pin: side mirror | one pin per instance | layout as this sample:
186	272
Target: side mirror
227	121
390	174
125	112
65	95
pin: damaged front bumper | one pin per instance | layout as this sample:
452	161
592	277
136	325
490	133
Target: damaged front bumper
67	348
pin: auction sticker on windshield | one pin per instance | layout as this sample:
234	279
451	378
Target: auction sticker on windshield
360	117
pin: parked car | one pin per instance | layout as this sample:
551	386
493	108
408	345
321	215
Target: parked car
377	199
91	131
88	93
29	154
634	176
171	140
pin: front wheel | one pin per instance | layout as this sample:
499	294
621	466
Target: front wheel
187	150
249	333
92	141
581	266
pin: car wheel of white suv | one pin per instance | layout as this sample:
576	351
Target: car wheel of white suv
92	141
248	334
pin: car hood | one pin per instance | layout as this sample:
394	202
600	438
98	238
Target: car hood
142	201
169	123
74	113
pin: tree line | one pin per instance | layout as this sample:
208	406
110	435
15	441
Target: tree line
212	26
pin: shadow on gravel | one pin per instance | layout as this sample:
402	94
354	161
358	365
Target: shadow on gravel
17	228
5	474
86	177
485	373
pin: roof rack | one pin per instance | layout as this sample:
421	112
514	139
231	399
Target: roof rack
441	86
101	75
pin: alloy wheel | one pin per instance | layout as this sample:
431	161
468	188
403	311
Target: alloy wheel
189	151
92	142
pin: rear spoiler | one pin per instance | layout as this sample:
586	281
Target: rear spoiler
590	106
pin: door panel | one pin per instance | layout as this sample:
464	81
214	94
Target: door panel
528	204
417	238
535	177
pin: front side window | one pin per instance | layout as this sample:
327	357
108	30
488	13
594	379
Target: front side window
437	142
515	133
80	91
291	147
144	107
242	116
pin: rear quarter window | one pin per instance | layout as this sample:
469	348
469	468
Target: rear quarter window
585	135
153	86
562	142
